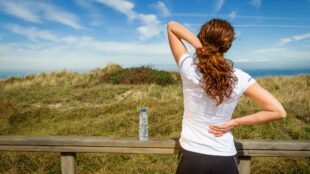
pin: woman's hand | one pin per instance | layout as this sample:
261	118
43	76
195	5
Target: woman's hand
219	130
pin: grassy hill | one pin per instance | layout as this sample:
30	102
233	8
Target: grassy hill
106	102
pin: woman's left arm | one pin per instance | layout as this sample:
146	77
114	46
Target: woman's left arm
176	33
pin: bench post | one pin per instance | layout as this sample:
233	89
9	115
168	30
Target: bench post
68	162
244	166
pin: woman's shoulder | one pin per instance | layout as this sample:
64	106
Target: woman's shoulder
237	70
244	79
240	73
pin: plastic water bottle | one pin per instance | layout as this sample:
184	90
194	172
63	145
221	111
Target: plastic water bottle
143	125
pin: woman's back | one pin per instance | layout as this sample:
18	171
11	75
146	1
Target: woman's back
200	111
196	101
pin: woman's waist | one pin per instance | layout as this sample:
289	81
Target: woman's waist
199	131
200	135
204	119
212	146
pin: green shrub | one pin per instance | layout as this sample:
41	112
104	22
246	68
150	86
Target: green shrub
138	75
12	79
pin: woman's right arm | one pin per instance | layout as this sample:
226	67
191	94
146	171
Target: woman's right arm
272	109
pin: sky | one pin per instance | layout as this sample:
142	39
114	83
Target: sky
89	34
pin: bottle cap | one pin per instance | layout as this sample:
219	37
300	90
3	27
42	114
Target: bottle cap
143	110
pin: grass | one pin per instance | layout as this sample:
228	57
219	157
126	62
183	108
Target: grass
67	103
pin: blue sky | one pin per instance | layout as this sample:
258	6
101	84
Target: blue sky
86	34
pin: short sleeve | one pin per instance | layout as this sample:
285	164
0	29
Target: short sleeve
188	68
247	80
184	57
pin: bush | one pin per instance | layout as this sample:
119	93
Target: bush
11	79
138	75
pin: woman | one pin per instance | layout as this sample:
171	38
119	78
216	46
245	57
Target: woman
212	88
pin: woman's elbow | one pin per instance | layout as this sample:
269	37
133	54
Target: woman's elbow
170	24
282	113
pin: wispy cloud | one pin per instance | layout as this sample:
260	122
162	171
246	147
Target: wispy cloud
269	50
271	25
279	55
151	26
32	32
75	52
284	41
276	53
256	3
71	51
233	14
239	16
55	14
273	58
19	10
123	6
86	4
301	37
95	16
36	34
287	40
36	11
263	25
218	5
162	9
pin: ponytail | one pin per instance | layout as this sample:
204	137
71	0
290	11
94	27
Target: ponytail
218	78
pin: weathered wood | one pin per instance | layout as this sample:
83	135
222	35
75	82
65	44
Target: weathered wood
68	146
274	153
244	166
273	144
89	149
68	163
141	150
92	141
88	141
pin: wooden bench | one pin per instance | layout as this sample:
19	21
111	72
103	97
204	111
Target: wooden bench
68	146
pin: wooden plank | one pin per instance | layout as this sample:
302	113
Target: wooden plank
244	166
68	163
88	141
89	149
92	141
141	150
273	144
274	153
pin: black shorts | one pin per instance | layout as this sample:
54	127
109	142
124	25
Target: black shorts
197	163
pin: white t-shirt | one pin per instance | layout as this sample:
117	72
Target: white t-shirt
200	111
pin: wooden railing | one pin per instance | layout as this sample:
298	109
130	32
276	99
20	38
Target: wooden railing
68	146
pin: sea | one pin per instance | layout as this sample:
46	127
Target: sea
255	73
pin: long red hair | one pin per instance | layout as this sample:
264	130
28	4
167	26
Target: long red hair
218	79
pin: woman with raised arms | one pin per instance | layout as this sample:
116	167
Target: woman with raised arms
212	88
